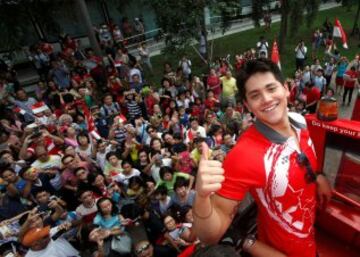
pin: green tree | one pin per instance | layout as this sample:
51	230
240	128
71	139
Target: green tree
258	10
348	4
17	17
183	21
356	20
292	12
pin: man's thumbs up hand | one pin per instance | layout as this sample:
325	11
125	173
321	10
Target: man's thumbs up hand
210	174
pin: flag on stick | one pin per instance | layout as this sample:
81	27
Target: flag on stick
339	32
275	56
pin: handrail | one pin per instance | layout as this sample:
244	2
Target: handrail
140	34
346	199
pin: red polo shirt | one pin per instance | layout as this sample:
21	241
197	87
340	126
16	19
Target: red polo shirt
265	164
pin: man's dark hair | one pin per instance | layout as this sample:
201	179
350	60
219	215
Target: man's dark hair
3	152
181	182
114	210
81	191
6	168
150	127
256	66
40	190
78	169
126	162
198	140
164	170
108	155
161	190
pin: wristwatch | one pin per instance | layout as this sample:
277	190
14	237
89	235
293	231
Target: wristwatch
249	241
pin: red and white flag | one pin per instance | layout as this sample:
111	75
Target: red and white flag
275	56
90	121
339	32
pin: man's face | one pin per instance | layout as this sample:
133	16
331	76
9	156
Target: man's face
169	139
7	158
21	95
181	191
228	140
36	222
70	162
136	78
81	174
113	160
41	154
41	244
170	223
168	176
102	147
194	125
127	168
42	197
87	198
228	75
108	100
9	176
266	98
229	111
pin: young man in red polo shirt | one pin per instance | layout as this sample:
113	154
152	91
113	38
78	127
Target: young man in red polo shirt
275	161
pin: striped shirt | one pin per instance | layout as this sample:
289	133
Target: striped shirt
133	109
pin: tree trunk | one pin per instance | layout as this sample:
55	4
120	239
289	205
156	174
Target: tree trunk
283	25
356	20
85	18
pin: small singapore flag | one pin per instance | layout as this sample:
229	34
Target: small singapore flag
339	32
275	56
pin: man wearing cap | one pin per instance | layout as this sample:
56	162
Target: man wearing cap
41	244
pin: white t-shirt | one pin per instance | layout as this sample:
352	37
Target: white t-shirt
200	130
101	158
53	162
124	178
155	169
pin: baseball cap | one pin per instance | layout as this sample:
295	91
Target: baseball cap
34	235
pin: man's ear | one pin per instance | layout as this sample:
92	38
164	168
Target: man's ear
286	86
246	105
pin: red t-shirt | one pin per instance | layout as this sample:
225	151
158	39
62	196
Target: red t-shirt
210	103
312	95
353	75
265	164
213	83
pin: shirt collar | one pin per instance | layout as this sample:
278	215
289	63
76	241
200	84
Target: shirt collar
273	135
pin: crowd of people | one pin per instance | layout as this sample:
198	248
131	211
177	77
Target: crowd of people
107	162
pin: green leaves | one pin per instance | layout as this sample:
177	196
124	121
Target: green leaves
17	18
182	21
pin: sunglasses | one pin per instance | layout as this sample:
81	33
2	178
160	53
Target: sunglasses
303	161
142	249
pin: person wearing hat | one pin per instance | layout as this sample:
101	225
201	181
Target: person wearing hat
41	244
